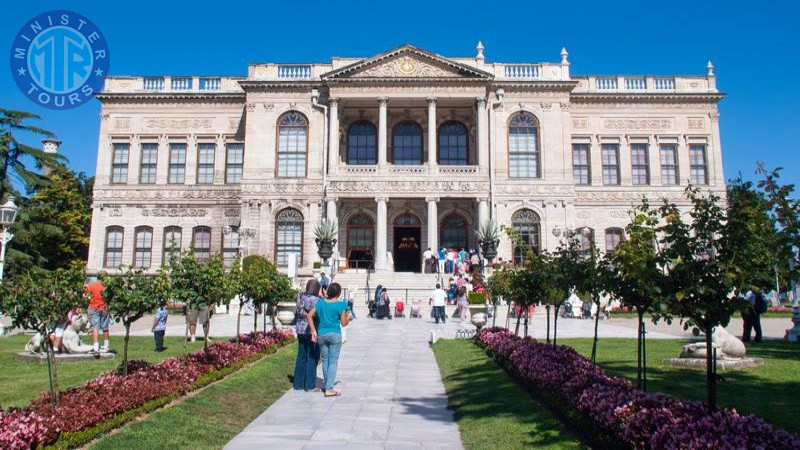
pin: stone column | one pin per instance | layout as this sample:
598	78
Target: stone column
483	135
333	216
433	223
333	136
382	124
382	235
432	166
483	211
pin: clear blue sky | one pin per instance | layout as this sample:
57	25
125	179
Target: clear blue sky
754	49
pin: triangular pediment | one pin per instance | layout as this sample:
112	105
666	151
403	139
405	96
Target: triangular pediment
406	62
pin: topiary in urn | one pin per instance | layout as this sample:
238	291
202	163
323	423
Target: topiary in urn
325	236
488	238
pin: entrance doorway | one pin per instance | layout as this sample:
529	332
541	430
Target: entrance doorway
406	250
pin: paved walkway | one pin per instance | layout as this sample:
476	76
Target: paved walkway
392	398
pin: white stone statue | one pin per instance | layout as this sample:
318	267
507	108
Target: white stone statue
728	346
71	341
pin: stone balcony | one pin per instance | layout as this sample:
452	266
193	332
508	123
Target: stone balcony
403	171
173	84
644	84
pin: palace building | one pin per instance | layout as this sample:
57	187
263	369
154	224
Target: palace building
406	150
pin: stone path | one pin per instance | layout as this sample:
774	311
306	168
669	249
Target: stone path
392	398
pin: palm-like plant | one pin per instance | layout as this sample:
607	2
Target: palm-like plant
13	153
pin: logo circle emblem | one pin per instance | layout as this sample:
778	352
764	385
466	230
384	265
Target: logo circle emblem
60	59
407	66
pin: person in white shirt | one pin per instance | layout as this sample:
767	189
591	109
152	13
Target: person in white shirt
438	300
427	255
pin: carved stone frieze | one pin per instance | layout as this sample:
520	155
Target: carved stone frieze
177	124
619	214
114	212
406	67
697	124
122	123
283	188
407	187
232	212
163	194
580	123
174	212
637	124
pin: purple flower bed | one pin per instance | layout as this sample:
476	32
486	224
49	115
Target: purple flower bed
638	419
112	394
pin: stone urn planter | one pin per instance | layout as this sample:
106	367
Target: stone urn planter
325	236
325	248
489	249
479	320
285	314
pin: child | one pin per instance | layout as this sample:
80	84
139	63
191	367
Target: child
160	327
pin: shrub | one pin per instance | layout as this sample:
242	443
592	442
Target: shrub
476	298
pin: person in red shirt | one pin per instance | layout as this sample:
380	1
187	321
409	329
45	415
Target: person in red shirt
99	318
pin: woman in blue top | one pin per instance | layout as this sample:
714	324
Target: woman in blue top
305	368
332	315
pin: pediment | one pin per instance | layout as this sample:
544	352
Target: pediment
406	62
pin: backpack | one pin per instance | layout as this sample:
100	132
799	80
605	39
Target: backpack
760	303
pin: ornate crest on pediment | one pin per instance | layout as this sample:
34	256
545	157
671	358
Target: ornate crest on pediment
406	62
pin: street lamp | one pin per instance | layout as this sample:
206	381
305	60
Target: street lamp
8	212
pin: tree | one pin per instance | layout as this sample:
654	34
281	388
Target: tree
636	277
785	211
569	268
531	283
195	284
701	269
52	228
499	285
39	301
130	296
265	285
13	153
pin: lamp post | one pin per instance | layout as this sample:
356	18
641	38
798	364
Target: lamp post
8	212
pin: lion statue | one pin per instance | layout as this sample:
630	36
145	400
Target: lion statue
728	346
71	341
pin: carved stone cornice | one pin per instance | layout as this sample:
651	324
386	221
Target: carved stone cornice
602	196
535	86
170	97
279	188
162	193
581	98
410	188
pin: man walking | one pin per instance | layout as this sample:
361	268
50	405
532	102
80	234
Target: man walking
99	318
324	282
751	316
438	300
426	256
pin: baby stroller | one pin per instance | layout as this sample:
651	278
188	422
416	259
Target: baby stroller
399	308
416	308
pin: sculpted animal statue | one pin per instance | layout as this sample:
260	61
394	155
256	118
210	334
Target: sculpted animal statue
728	346
71	341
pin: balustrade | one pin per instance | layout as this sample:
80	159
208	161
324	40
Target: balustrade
209	84
153	84
635	83
181	84
294	71
664	83
521	71
606	83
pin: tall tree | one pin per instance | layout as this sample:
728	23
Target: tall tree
15	155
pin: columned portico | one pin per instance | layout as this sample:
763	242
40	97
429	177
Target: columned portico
333	131
382	236
433	223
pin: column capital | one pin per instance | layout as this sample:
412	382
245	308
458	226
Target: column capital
382	101
333	101
431	101
432	199
481	199
381	199
332	199
481	102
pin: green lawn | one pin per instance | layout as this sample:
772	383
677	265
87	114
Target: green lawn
24	381
491	409
769	391
211	418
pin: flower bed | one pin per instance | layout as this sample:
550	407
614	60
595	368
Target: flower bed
612	413
111	395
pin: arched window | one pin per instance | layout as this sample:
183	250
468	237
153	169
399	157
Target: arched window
172	243
453	144
526	224
113	250
407	220
292	145
614	237
362	143
454	232
523	146
407	144
288	236
230	245
143	247
201	243
360	241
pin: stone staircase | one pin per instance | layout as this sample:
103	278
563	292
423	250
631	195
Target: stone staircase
400	285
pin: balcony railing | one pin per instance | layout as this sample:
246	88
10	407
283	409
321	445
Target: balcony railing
606	83
209	84
525	71
664	83
409	170
459	170
153	84
181	83
635	83
294	71
360	170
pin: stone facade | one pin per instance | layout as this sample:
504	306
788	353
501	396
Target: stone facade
444	144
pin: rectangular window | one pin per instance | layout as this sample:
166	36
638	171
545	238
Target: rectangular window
613	238
610	164
292	152
523	152
230	246
669	165
119	164
640	164
177	163
697	164
172	243
143	248
234	163
201	242
205	163
581	170
147	167
113	253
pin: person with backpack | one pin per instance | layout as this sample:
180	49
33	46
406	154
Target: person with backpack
751	316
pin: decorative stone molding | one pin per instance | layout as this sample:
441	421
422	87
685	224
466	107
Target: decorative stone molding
122	123
177	124
546	106
619	214
638	124
294	188
250	107
580	123
174	212
114	212
232	212
163	194
233	122
696	124
431	101
269	106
